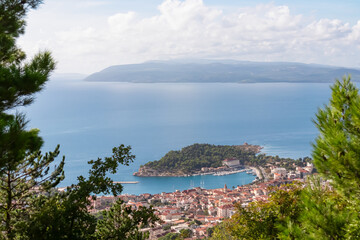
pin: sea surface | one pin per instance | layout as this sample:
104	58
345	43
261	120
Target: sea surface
88	119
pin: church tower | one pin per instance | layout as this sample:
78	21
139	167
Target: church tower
225	188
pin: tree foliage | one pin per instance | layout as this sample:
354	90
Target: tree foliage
325	214
263	220
23	168
30	205
196	156
337	148
12	25
123	222
171	236
322	209
19	80
65	215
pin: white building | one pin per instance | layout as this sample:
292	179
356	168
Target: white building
231	162
281	171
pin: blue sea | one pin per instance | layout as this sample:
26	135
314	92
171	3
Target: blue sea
88	119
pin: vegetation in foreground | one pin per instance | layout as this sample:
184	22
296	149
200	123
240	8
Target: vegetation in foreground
30	205
321	209
31	208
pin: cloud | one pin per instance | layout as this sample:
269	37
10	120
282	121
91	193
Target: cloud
191	29
121	21
90	3
354	35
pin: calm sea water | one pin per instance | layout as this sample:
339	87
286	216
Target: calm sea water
87	119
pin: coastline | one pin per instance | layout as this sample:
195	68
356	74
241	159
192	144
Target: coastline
229	171
155	185
258	172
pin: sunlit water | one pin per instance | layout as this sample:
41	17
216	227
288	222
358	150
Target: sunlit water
87	119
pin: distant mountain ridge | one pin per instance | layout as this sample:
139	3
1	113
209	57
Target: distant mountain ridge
227	71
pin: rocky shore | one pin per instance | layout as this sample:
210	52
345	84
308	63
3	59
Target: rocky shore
201	159
145	171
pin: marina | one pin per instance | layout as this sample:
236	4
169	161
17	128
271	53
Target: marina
248	171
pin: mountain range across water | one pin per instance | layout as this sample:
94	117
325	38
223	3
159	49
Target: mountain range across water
221	71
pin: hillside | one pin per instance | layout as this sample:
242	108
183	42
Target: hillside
194	157
206	71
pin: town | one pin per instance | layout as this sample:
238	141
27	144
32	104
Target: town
198	209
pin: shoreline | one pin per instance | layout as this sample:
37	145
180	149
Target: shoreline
258	172
253	182
248	170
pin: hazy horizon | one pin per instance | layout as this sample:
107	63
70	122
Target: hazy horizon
87	36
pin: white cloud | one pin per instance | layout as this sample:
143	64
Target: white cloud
189	28
90	3
121	21
326	29
354	36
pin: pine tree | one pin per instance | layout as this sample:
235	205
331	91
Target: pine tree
337	148
325	213
19	80
23	168
331	211
30	205
24	171
12	25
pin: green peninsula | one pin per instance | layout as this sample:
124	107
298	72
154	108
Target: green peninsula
193	158
217	159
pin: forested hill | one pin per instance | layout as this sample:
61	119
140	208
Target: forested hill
207	71
193	158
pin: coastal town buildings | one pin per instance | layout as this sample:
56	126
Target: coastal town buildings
199	209
231	162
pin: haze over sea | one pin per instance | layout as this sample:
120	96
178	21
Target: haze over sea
88	119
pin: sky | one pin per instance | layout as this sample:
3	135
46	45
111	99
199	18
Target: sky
86	36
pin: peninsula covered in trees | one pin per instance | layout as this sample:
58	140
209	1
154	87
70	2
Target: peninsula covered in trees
192	160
